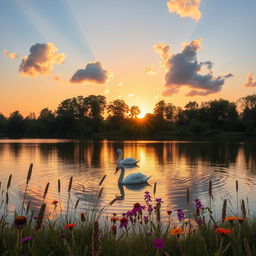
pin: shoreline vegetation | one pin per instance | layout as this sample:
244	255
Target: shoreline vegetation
92	117
53	230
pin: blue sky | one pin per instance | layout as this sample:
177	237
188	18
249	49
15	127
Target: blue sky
121	35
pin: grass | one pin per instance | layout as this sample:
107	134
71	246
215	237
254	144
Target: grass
140	231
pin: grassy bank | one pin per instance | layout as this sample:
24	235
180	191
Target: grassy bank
54	230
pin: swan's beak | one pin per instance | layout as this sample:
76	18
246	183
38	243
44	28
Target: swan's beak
117	169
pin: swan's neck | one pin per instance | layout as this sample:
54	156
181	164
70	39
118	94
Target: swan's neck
121	177
120	156
121	189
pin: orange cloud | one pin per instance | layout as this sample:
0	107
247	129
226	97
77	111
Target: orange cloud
185	8
162	50
57	78
41	59
250	82
11	55
93	72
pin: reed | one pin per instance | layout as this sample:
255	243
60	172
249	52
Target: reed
46	191
29	174
224	210
96	243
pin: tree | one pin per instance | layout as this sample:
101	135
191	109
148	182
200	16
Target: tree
16	124
118	108
159	109
134	111
95	105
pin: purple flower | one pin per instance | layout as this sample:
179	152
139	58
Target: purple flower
199	221
147	197
198	204
150	209
26	239
158	243
180	214
146	219
159	200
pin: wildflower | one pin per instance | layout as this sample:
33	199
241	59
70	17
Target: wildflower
177	231
198	204
123	222
63	235
26	239
158	243
199	221
55	202
114	219
169	212
136	205
70	226
159	200
180	215
20	222
35	217
147	197
223	231
234	218
82	217
146	219
150	209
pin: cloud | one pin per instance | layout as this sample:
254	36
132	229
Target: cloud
41	59
162	50
185	8
250	82
57	78
183	69
93	72
150	70
11	55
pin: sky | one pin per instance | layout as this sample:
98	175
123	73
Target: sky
141	51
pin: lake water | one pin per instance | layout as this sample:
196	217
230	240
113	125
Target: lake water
173	165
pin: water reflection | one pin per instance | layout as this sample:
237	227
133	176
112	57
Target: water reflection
174	166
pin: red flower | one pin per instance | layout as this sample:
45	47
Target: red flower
169	212
137	205
223	231
70	226
55	202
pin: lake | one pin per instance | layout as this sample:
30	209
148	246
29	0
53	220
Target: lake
173	165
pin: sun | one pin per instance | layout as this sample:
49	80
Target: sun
142	114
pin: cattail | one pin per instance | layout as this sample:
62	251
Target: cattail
115	199
46	190
7	198
40	217
29	173
9	181
28	206
210	189
187	196
236	186
158	215
224	210
77	202
246	247
103	178
59	186
0	184
82	217
154	191
96	245
100	193
243	209
70	184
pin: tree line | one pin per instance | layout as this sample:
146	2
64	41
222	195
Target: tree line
91	116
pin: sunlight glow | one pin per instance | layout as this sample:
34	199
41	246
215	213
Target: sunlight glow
142	114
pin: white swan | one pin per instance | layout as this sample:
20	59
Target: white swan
126	161
134	178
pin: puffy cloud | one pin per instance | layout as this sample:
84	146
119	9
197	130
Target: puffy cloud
41	59
11	55
93	72
250	82
162	50
185	8
183	69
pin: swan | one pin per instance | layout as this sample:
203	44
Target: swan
126	161
134	178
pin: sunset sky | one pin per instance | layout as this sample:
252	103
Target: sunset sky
140	51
